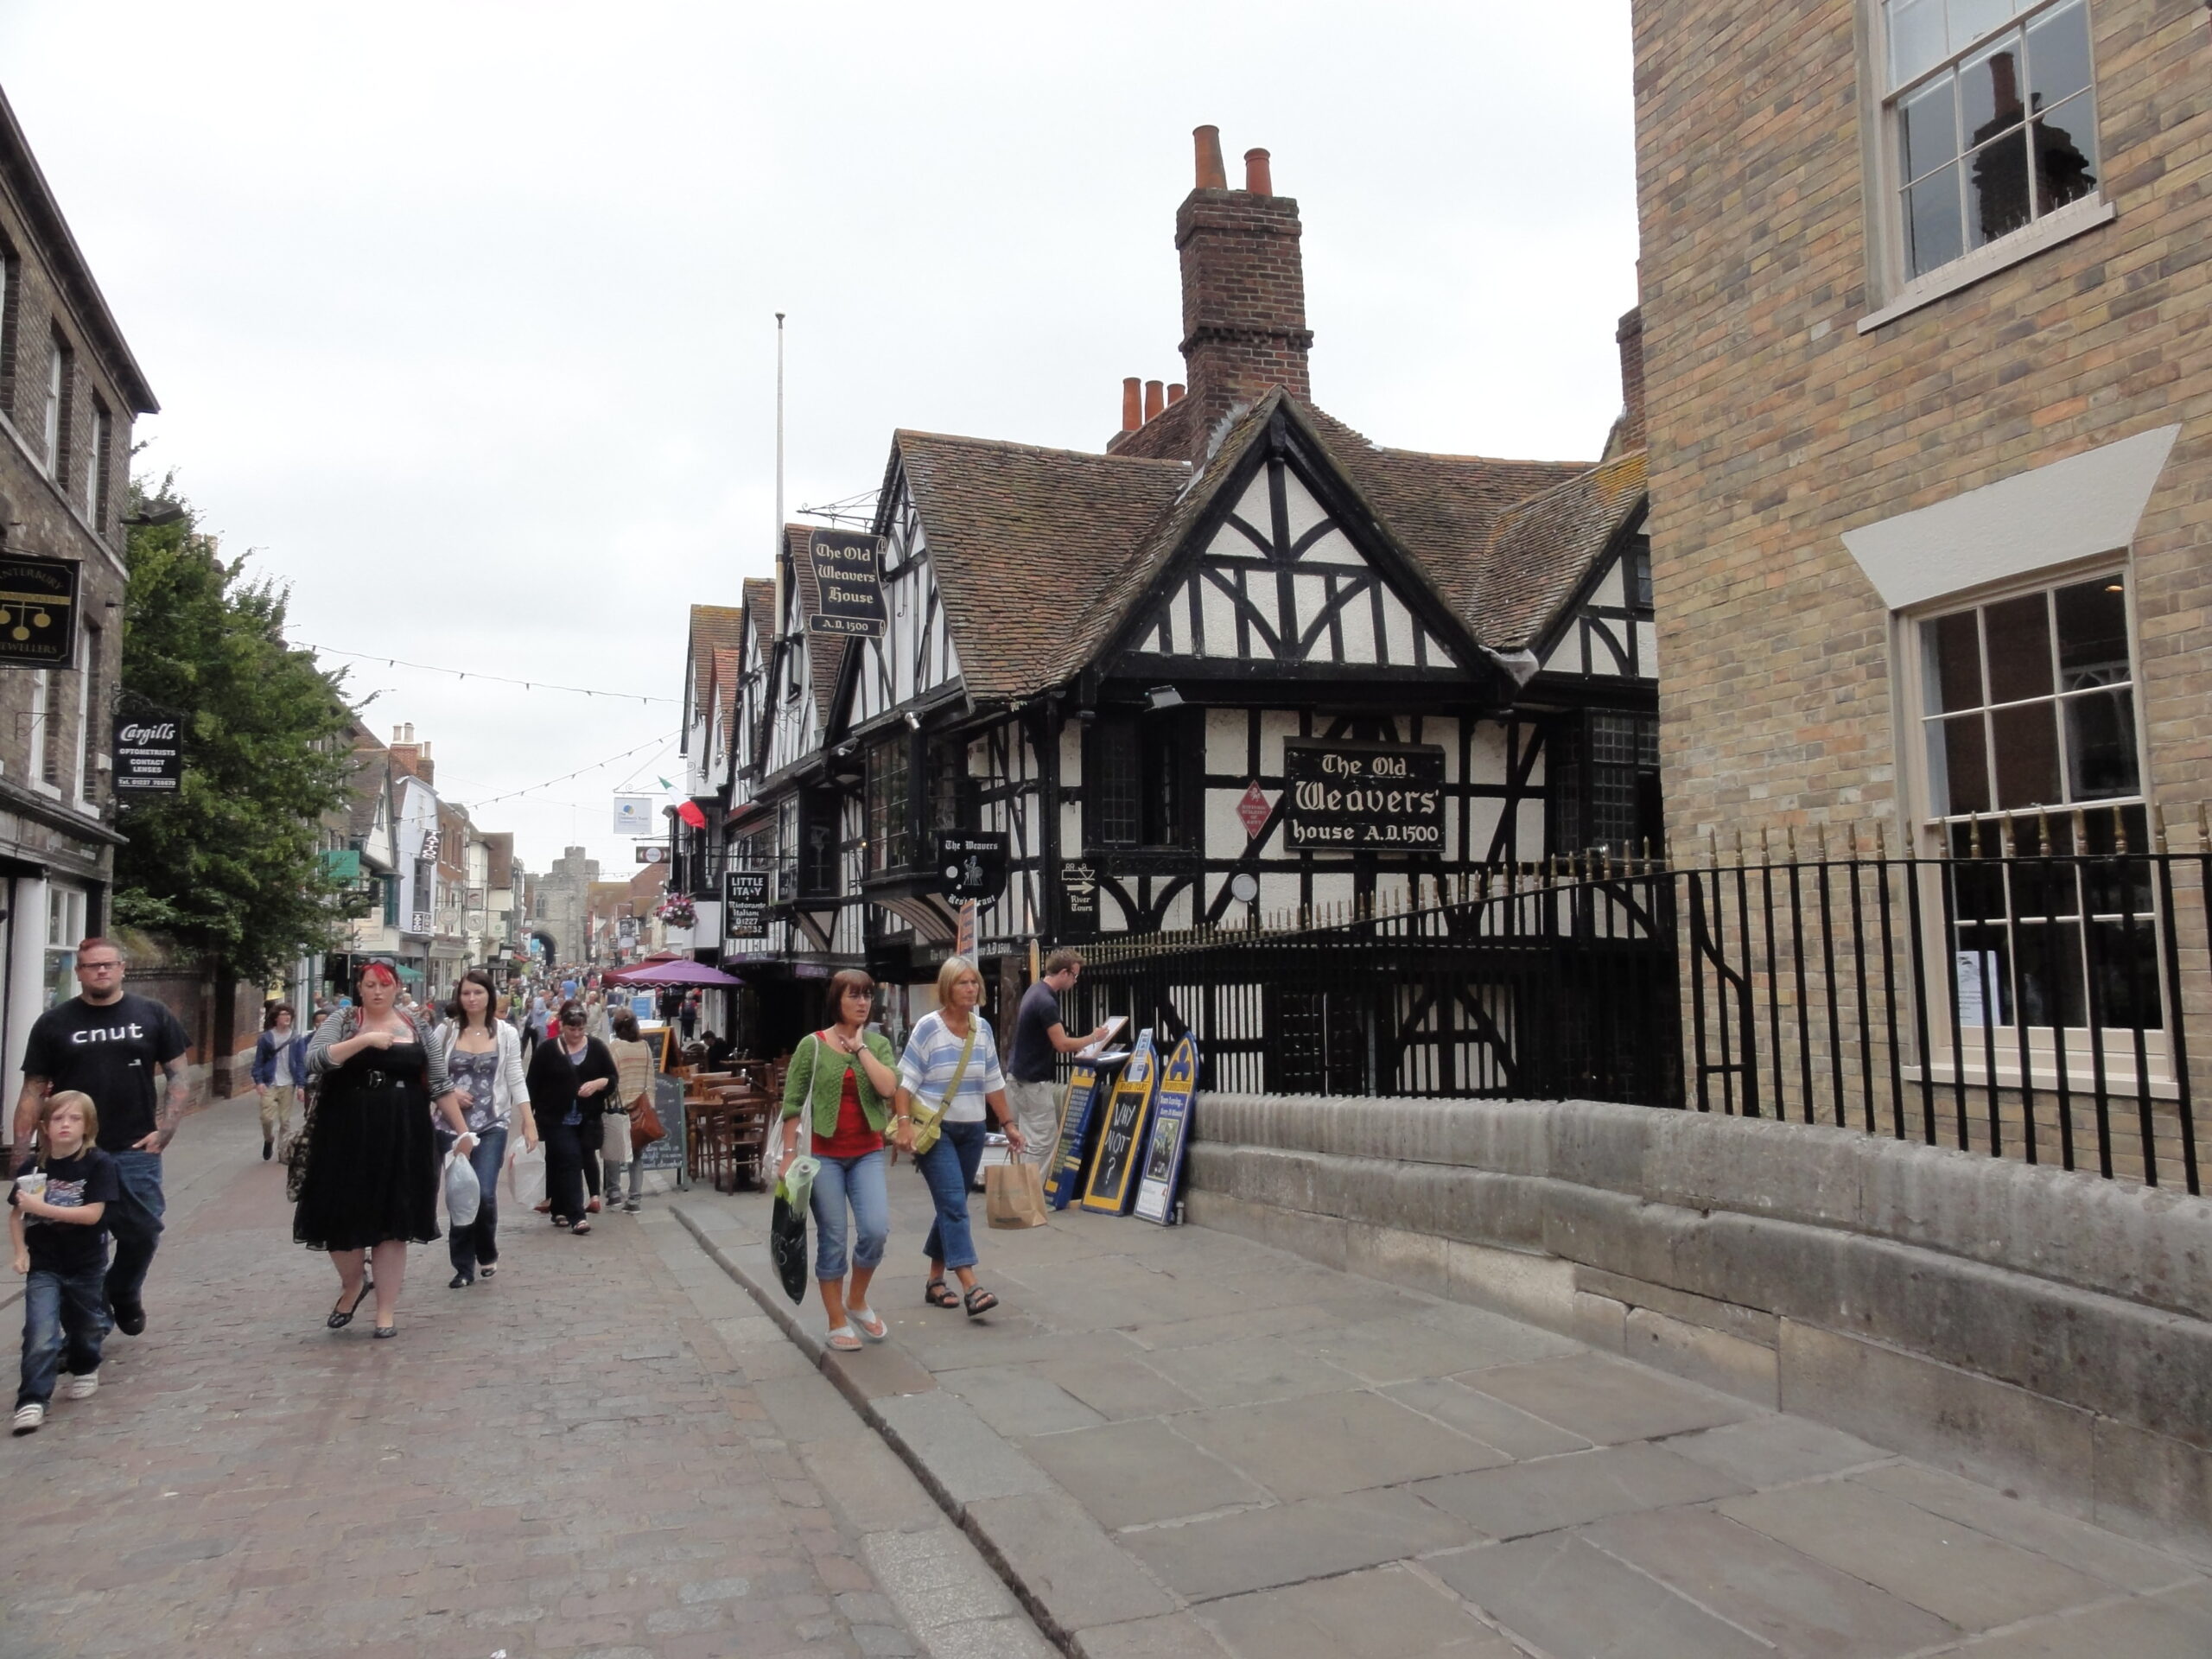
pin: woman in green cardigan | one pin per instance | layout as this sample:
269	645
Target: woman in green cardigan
849	1075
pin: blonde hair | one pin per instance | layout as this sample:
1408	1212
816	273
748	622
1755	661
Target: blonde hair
956	969
54	1103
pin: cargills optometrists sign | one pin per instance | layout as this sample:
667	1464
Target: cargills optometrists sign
148	755
848	583
1362	798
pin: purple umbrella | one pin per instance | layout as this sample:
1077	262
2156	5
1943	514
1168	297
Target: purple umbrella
673	973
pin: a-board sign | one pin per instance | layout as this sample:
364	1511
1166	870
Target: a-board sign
848	583
745	904
1362	797
149	751
1078	1108
38	612
667	1153
1160	1171
1113	1183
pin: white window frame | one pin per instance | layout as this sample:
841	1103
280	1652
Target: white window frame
57	383
90	642
1902	292
98	444
1960	1050
45	701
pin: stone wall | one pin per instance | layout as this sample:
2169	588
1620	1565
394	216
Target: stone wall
2041	1329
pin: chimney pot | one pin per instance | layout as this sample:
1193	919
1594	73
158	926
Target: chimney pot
1156	399
1212	175
1174	393
1257	179
1132	404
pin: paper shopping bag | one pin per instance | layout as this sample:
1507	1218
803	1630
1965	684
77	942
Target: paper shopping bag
1014	1195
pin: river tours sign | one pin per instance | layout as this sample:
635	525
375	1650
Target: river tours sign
848	584
1362	797
1160	1175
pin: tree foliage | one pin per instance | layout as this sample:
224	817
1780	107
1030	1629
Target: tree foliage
229	864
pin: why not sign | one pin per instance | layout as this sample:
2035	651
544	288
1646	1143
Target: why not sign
848	583
1362	798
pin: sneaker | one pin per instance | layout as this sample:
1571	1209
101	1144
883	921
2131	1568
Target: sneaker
84	1384
28	1418
267	1148
631	1208
131	1322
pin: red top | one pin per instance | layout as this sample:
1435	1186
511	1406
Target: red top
853	1138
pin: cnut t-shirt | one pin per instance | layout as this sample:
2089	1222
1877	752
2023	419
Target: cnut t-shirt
114	1053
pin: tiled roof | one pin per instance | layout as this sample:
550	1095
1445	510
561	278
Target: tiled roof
726	671
712	627
761	606
1545	545
371	771
1024	542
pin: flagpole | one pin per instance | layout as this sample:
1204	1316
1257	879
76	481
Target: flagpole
778	543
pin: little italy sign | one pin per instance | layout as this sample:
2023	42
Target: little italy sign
1362	798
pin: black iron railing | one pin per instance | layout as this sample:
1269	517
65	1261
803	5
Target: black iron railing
2038	990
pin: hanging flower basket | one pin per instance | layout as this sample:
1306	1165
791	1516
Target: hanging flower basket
677	912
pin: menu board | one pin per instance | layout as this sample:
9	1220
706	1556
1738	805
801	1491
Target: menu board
1113	1174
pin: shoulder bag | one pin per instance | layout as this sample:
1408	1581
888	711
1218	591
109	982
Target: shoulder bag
929	1121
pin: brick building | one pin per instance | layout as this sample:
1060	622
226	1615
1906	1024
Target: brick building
1924	285
69	390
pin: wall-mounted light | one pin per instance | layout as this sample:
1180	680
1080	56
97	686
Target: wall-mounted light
1163	697
914	721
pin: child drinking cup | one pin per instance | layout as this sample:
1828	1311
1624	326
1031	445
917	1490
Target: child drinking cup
56	1219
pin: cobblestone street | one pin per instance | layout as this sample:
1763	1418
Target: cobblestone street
564	1461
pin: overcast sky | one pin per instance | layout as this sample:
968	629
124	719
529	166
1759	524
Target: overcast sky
460	313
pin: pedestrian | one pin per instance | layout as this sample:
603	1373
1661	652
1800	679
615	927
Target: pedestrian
1039	1040
567	1076
483	1058
951	1064
595	1015
280	1063
687	1015
108	1043
58	1222
844	1078
367	1186
633	1066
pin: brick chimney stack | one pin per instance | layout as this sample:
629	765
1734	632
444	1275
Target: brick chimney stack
1630	338
1243	293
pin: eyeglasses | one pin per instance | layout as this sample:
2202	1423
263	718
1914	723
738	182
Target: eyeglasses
99	967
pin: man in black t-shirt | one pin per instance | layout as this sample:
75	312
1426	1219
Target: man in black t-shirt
1039	1040
110	1044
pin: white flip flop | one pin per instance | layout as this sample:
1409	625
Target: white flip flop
870	1322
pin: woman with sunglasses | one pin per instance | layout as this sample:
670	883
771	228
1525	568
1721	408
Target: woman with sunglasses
367	1184
568	1077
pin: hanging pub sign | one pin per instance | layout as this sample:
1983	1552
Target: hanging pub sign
745	904
1362	798
848	583
653	852
972	866
38	612
148	755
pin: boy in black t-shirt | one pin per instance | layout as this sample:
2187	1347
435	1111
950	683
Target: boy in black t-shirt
57	1217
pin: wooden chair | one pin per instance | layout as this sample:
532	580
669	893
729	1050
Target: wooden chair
748	1129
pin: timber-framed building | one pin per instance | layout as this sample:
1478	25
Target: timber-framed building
1097	661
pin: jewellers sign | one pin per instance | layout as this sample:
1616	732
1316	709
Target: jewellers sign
38	612
148	753
848	583
1362	798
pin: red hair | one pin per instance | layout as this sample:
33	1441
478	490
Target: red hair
377	973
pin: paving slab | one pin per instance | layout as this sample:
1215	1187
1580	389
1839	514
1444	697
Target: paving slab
1774	1450
1258	1549
1017	1402
1607	1400
1493	1422
1799	1605
1243	1373
1406	1348
1067	1567
1386	1613
1319	1444
1117	1389
1967	1577
1567	1596
1140	1472
1566	1490
1173	1636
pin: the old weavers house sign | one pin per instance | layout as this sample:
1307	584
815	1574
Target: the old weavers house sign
847	582
1362	798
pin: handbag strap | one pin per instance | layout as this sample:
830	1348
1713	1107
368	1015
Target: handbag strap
944	1102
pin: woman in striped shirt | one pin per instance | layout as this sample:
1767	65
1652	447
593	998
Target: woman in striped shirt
932	1072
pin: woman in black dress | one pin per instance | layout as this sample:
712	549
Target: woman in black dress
368	1185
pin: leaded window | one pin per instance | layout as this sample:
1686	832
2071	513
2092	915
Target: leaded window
890	817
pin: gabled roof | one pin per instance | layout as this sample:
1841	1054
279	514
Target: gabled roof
726	671
712	627
1544	546
761	606
1024	543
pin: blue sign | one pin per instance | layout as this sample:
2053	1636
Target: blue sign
1078	1106
1161	1172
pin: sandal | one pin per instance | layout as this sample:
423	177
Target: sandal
980	1302
580	1227
870	1321
843	1340
938	1293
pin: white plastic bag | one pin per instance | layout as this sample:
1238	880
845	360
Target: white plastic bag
464	1196
526	1174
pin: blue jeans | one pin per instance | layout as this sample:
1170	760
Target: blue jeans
65	1321
858	1182
478	1241
135	1222
949	1168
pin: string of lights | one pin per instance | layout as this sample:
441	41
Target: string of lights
476	674
512	794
